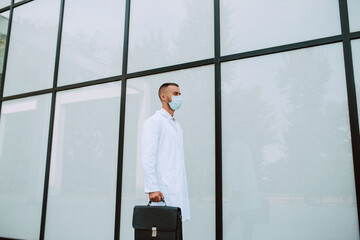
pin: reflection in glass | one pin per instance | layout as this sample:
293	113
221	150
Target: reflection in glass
91	40
354	14
166	32
196	118
4	21
32	47
24	129
82	183
251	25
355	44
4	3
287	159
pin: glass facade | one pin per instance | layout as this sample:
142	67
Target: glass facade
92	37
251	25
269	115
32	46
354	6
82	183
178	32
4	3
24	129
4	22
283	180
142	96
355	44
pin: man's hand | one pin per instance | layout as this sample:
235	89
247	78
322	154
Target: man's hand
155	196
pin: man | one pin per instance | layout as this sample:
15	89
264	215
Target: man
163	155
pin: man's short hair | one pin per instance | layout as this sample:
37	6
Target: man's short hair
164	86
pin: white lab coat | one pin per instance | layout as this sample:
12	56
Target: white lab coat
162	157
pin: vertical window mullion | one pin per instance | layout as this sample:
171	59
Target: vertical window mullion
51	127
351	94
122	122
218	133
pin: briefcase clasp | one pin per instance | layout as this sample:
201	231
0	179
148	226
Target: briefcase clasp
154	232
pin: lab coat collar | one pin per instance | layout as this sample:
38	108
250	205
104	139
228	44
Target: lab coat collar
166	114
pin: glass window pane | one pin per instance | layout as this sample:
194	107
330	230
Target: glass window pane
92	40
4	21
166	32
355	44
354	15
32	47
24	130
197	89
250	25
287	158
4	3
83	170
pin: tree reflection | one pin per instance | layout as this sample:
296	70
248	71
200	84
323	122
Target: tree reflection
316	139
174	32
286	145
3	31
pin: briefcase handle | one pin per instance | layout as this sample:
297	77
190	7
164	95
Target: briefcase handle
162	200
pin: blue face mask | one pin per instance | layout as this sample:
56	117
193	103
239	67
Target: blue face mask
175	104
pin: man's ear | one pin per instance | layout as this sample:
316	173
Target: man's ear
162	96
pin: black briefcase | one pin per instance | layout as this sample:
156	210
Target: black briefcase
157	223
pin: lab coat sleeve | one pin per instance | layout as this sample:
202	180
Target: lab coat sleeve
149	147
